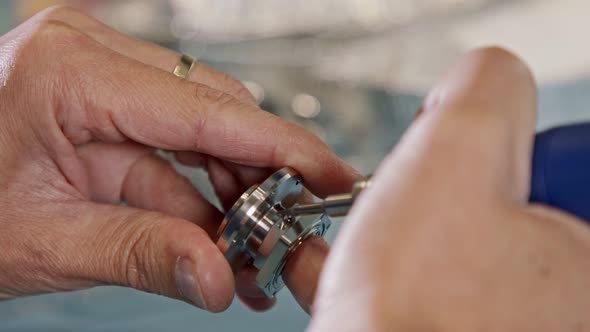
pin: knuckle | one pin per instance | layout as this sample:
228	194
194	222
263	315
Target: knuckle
69	14
237	89
58	11
242	93
49	37
66	50
44	50
209	96
59	36
50	30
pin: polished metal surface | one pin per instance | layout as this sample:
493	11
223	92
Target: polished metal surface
334	205
256	232
184	66
269	221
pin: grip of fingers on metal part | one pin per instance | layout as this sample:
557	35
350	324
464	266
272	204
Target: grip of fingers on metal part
254	232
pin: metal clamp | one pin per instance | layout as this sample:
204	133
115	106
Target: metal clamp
256	230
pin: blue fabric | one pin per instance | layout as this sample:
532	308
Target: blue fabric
561	169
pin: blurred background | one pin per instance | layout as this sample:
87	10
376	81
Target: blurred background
352	71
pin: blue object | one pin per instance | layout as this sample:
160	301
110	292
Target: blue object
561	169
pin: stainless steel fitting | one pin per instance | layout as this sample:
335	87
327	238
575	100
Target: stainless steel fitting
257	231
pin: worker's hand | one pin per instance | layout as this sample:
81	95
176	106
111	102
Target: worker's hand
82	108
445	239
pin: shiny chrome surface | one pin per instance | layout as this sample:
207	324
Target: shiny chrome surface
333	205
256	232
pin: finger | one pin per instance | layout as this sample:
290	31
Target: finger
303	269
301	275
476	124
230	180
106	166
132	173
145	250
189	117
246	283
153	184
189	158
258	304
227	187
249	294
247	175
148	53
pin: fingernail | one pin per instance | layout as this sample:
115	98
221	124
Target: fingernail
187	281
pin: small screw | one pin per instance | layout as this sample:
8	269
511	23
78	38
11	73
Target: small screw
288	219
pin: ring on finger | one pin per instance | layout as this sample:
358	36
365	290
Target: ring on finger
184	66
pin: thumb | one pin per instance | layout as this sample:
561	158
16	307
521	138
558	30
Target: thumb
148	251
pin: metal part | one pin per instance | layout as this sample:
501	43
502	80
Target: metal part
256	230
361	185
184	67
334	205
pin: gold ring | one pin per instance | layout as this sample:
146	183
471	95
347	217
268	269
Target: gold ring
184	66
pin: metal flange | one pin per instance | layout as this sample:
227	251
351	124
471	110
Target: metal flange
256	232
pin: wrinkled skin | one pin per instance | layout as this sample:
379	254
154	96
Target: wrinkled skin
445	239
82	109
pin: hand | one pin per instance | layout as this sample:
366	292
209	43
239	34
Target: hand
445	239
82	109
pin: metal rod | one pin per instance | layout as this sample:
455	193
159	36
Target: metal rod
334	206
